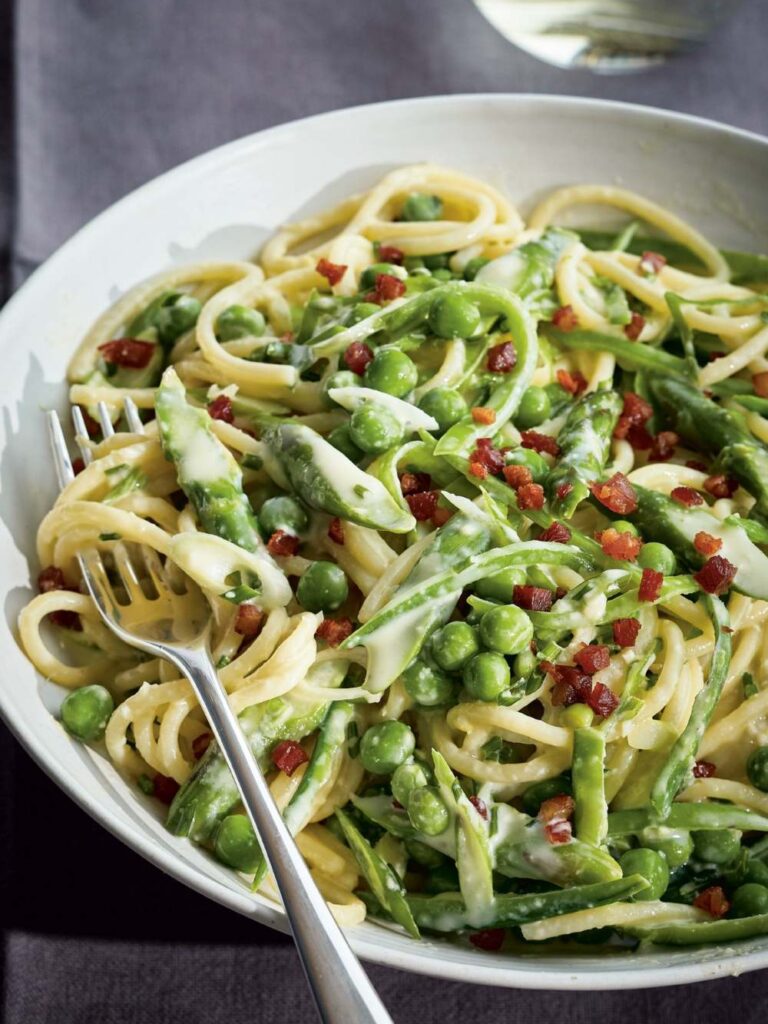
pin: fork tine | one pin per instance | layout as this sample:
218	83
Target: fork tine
132	416
81	435
105	420
127	572
62	463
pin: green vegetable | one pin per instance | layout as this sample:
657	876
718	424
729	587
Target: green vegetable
500	586
392	372
629	354
369	275
453	316
724	930
386	746
676	846
427	812
282	513
535	795
530	273
374	429
426	685
240	322
702	815
473	267
650	865
341	439
717	846
236	844
323	587
340	379
420	206
750	899
535	408
486	676
654	555
445	405
405	779
453	645
506	629
591	814
86	711
757	768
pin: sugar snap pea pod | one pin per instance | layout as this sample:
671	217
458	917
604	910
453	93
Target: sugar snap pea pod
448	913
210	793
207	472
696	933
706	425
587	768
679	763
691	816
474	858
381	811
659	518
326	480
585	444
756	532
386	886
529	269
629	354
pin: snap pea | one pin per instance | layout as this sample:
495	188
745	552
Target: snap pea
529	270
587	768
703	815
629	355
724	930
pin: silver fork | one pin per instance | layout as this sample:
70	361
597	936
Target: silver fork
342	991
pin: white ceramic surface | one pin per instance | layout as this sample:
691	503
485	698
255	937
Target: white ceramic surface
223	205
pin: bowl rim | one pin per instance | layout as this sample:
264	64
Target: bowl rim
497	972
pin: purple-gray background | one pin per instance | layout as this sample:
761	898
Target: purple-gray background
96	97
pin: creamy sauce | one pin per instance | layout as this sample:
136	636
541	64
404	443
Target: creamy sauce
210	560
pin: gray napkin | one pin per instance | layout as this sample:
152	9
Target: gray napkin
96	97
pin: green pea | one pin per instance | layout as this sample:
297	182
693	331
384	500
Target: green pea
412	263
444	878
423	854
427	812
362	310
177	318
405	779
506	629
473	267
236	844
276	352
486	676
322	588
659	557
453	645
716	845
282	513
525	663
500	586
386	746
420	206
392	372
532	460
756	871
536	794
652	865
535	407
375	429
369	275
437	261
624	526
757	768
453	316
446	405
341	438
240	322
675	844
85	712
426	685
340	379
750	899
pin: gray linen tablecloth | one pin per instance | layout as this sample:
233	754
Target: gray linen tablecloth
96	97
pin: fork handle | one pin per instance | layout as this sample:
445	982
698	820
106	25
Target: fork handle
340	986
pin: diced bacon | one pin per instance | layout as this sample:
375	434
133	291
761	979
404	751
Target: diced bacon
200	744
602	700
478	469
480	806
558	832
282	543
249	620
397	805
287	337
760	383
572	685
221	409
441	516
530	496
560	593
703	770
502	358
619	544
716	575
357	356
391	254
336	531
489	939
652	262
565	319
634	328
650	585
713	901
517	476
131	353
415	483
537	442
635	413
557	808
422	505
625	632
715	355
93	428
78	465
66	619
593	658
721	486
334	631
288	755
563	490
686	496
486	455
51	578
387	287
706	544
616	493
534	599
480	414
663	447
332	272
697	464
165	788
574	383
556	533
639	437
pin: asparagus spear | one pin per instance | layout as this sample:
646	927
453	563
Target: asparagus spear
585	444
529	270
629	355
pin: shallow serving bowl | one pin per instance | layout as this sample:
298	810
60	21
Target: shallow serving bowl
223	205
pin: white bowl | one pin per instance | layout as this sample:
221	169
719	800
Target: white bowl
223	205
